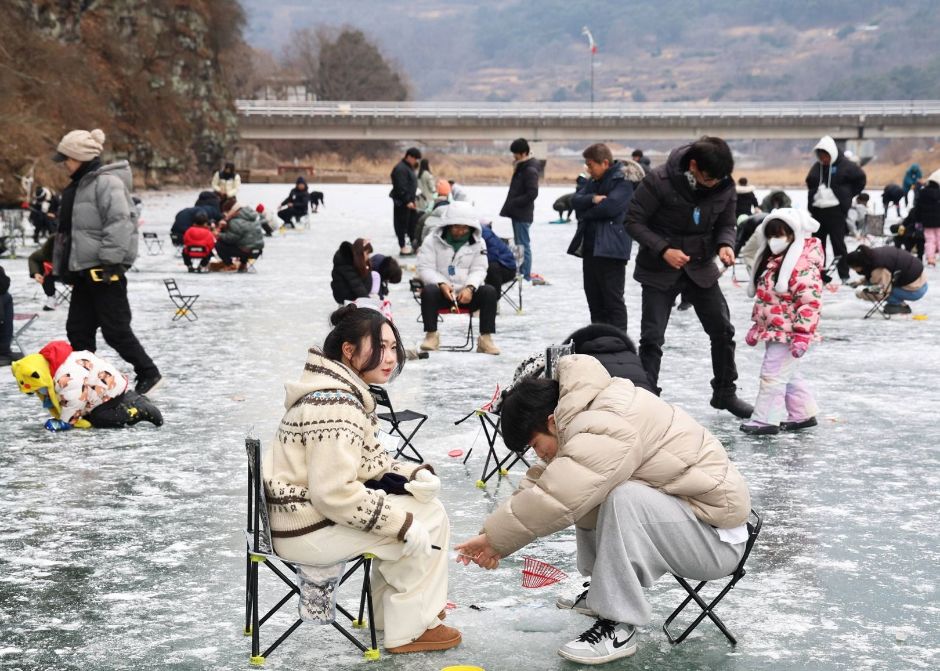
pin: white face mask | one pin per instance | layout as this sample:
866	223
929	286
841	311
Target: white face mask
777	245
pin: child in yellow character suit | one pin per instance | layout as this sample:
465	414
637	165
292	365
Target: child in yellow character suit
81	390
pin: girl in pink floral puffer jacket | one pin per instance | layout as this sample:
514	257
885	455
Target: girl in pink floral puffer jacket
787	283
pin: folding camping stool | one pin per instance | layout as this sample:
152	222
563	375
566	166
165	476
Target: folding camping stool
878	301
396	419
313	601
830	269
506	291
416	286
29	318
63	294
753	529
491	430
184	304
153	243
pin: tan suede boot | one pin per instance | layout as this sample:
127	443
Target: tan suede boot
440	637
485	344
432	341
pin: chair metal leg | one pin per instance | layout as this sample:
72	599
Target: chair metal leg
707	610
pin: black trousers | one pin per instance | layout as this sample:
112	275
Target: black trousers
484	300
497	275
227	251
6	322
203	261
97	305
604	281
287	215
405	219
711	310
832	226
48	285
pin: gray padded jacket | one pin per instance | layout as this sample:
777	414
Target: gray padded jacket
104	219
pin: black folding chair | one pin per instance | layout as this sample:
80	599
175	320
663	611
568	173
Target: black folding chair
396	419
506	291
184	304
753	529
879	299
490	428
63	294
29	318
260	550
153	243
830	269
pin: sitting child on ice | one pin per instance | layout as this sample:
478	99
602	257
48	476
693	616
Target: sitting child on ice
81	390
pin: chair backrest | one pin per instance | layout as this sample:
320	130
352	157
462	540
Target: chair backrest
196	249
150	236
258	528
382	398
171	287
754	524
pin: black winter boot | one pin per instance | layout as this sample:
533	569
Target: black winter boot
729	401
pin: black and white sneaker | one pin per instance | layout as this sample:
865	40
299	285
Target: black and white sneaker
604	642
577	604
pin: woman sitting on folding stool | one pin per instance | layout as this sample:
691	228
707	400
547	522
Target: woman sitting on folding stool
334	493
648	489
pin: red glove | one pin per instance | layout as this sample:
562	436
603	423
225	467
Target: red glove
799	345
751	337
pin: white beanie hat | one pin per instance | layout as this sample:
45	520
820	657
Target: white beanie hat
934	177
80	145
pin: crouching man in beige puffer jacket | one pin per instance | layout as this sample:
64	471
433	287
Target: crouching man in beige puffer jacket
649	490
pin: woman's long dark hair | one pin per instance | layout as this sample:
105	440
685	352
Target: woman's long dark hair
861	258
350	325
424	167
361	248
774	228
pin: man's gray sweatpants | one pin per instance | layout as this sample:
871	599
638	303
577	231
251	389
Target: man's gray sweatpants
641	535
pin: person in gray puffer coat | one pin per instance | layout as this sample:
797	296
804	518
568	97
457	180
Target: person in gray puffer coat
95	245
242	237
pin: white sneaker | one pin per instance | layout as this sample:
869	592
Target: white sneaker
577	604
604	642
49	305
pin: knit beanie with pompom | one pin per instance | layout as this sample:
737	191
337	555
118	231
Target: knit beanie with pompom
80	145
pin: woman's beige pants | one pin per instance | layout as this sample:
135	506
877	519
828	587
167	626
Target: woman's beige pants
408	592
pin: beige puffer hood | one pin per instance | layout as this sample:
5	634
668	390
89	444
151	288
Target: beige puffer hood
610	432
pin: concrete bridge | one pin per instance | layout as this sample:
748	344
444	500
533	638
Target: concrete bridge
426	121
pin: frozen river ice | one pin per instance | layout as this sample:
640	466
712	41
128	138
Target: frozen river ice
123	549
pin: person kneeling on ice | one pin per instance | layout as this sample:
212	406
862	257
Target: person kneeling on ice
650	492
452	263
333	492
787	282
81	390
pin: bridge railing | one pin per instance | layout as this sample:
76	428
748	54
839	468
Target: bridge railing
473	110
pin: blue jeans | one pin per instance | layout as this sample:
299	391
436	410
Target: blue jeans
6	322
520	233
899	295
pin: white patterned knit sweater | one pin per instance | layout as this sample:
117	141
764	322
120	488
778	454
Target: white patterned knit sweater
327	446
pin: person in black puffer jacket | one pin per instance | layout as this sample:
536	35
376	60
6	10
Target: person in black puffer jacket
615	350
296	204
926	212
682	216
352	272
